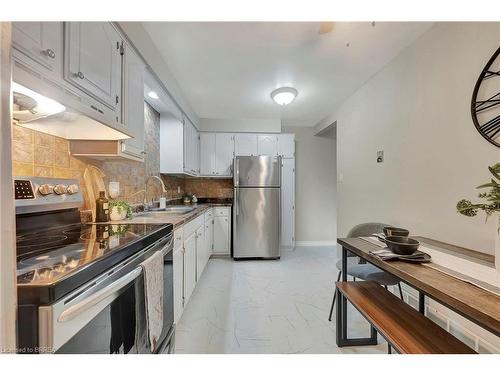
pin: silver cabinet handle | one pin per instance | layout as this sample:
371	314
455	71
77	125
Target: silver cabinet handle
50	53
80	75
73	311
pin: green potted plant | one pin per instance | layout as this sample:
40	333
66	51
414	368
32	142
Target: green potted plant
490	205
119	210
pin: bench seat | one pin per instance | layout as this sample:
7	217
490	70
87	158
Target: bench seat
404	328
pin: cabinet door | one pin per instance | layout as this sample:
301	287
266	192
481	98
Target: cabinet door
224	154
207	154
268	145
221	235
178	267
245	144
42	43
196	142
189	266
133	102
288	202
187	146
286	145
93	60
200	251
191	149
209	236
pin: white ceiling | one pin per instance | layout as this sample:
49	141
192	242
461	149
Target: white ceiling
228	69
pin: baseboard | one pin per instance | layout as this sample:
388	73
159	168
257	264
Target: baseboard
315	243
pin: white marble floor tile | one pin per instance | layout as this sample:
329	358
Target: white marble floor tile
267	307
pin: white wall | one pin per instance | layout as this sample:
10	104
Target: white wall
241	125
417	109
315	186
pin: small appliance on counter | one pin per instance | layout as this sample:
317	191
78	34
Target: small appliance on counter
81	286
256	209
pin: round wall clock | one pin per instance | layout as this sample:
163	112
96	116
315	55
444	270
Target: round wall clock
485	105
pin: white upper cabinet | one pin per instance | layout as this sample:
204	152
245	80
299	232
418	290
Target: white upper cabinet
286	145
267	144
179	146
191	149
133	102
207	154
224	154
216	154
93	61
41	43
246	144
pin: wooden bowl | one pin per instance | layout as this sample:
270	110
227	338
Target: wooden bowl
402	245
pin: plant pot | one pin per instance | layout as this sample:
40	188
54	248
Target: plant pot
497	246
115	215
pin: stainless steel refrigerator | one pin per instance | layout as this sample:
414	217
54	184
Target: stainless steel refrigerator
256	211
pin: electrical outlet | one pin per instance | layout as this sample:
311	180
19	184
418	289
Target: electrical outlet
380	156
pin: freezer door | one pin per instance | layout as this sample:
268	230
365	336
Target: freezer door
256	223
257	171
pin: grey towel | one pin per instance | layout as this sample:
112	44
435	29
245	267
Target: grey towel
153	290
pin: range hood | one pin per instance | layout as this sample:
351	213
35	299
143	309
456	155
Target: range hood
38	112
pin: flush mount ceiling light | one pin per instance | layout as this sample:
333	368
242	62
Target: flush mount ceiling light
284	95
153	95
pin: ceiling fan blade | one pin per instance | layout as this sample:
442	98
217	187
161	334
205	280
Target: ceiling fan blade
326	27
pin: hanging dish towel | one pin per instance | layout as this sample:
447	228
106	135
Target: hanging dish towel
153	291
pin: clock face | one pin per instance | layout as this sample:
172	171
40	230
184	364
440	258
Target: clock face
485	106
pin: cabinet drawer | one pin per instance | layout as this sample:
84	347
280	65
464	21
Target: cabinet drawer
221	211
209	215
178	237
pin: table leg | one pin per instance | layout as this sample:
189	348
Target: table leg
421	302
341	316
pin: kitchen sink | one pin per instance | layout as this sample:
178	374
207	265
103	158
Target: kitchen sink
170	210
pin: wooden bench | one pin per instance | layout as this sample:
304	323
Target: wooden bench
404	328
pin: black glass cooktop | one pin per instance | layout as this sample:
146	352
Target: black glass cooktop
75	253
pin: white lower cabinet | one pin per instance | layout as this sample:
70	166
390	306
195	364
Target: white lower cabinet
200	251
178	267
193	244
222	230
189	266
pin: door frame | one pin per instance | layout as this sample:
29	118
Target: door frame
8	289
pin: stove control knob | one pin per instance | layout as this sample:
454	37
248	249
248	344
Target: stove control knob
73	189
45	189
60	189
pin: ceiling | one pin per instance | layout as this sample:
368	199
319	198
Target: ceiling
228	69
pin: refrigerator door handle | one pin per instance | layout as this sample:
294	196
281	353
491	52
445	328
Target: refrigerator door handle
237	172
237	203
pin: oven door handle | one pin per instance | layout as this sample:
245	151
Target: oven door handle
82	306
70	313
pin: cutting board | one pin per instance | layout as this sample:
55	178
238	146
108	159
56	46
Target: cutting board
93	179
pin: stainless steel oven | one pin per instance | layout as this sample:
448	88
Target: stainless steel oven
107	314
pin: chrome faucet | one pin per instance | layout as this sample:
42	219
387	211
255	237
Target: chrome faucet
145	200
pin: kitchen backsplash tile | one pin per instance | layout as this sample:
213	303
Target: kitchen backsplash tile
210	187
200	186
